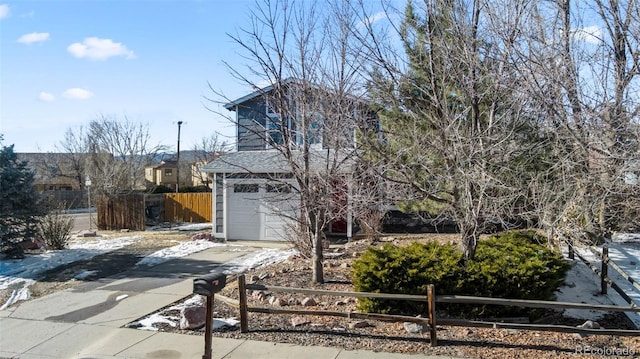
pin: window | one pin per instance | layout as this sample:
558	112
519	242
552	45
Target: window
278	188
246	188
168	172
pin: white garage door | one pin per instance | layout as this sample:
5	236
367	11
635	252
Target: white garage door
244	215
256	211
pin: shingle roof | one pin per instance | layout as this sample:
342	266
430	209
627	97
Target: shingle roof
272	161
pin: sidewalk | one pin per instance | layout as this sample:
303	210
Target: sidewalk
86	321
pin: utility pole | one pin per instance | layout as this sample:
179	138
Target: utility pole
178	159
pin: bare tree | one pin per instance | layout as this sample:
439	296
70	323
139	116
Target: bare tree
204	152
303	51
583	81
119	150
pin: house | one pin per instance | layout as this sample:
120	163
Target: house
254	194
162	174
56	171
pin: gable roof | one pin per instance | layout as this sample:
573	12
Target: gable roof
257	93
273	161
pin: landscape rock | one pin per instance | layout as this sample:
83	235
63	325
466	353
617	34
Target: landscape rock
359	324
590	324
86	233
277	301
124	230
309	302
193	317
414	328
207	236
298	321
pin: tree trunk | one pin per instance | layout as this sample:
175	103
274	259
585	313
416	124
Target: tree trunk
318	273
469	242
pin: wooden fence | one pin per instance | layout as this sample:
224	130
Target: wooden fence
430	318
121	211
187	207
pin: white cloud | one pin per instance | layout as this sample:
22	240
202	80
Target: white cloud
99	49
372	19
46	97
590	34
4	11
33	37
76	93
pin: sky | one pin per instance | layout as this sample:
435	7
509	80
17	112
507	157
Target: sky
65	63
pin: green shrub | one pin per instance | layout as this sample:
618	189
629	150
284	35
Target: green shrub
505	266
55	230
407	270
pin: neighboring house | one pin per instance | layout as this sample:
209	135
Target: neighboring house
55	171
253	189
163	174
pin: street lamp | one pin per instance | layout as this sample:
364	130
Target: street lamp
178	159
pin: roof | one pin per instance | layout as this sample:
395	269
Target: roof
258	92
271	161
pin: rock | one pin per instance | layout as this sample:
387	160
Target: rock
308	302
88	234
254	278
193	317
124	230
345	265
264	276
293	301
414	328
259	295
359	324
298	321
277	301
590	324
340	302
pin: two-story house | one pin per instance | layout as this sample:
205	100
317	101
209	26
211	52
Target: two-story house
253	190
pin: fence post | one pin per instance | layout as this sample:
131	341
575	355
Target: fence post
431	300
571	249
244	320
604	269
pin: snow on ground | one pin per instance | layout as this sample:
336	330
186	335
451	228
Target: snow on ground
178	251
173	321
19	274
582	285
261	258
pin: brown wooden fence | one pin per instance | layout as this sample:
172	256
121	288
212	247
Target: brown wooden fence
130	211
121	212
187	207
430	318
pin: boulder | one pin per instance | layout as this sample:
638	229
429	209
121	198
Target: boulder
299	320
193	317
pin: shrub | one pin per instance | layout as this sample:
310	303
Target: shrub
505	266
55	230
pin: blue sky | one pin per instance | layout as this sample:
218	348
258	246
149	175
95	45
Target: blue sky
64	63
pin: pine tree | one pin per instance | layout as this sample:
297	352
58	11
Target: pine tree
19	203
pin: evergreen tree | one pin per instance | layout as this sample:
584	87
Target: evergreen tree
456	134
19	202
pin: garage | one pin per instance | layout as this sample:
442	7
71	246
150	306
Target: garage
254	196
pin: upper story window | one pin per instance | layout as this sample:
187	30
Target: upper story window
168	172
